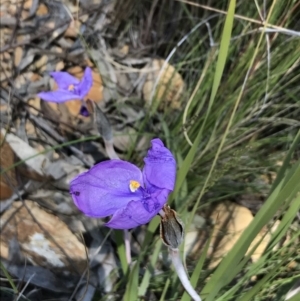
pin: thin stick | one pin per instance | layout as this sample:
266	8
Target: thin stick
266	25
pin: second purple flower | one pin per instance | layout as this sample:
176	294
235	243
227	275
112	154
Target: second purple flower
69	88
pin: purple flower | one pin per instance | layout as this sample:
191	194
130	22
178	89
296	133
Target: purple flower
119	188
69	87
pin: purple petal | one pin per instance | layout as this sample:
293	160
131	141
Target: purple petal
57	96
138	213
86	82
64	79
104	189
132	216
84	111
160	166
160	197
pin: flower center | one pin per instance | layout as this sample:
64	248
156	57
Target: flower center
134	185
71	87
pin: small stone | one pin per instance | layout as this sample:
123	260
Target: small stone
169	88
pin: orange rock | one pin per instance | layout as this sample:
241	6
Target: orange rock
230	221
169	88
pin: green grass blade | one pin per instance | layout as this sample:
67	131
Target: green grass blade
224	273
163	294
295	298
131	293
119	235
286	161
258	286
6	274
224	47
285	223
146	279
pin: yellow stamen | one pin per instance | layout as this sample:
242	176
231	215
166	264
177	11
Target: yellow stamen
71	88
134	185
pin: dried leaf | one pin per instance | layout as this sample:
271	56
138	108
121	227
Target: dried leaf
123	140
8	179
60	168
18	56
60	66
73	29
42	277
108	74
27	59
102	123
44	239
35	166
27	4
41	63
42	10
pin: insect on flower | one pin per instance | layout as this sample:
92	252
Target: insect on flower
69	88
119	188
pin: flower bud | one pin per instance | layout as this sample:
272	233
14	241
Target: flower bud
171	228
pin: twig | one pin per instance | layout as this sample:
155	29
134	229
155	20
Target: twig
24	288
266	26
